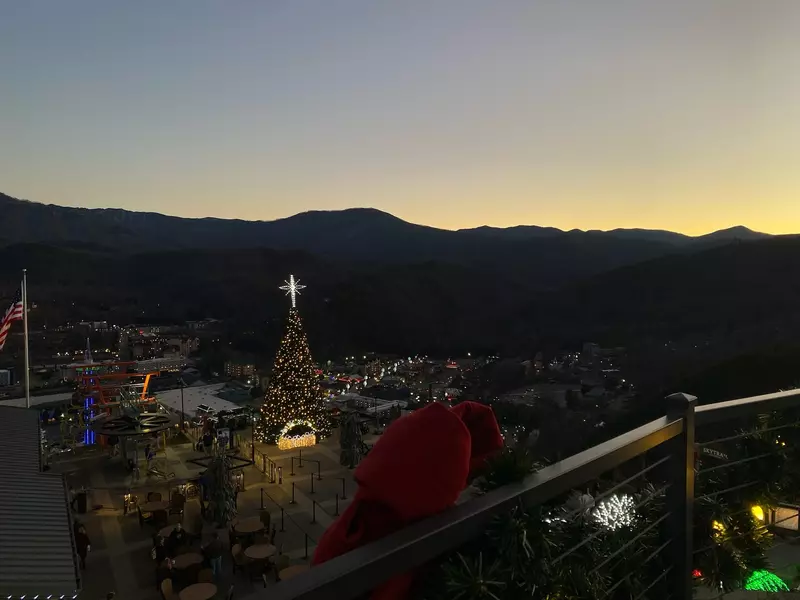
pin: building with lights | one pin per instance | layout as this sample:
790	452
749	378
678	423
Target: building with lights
367	405
171	364
240	369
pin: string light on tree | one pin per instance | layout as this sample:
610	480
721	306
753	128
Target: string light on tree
615	512
297	434
294	405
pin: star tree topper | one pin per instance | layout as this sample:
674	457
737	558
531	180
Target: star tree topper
292	288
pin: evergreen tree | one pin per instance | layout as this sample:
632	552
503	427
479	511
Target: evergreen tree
293	395
222	486
351	440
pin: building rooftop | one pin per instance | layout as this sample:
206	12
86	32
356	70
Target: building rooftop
194	396
37	551
46	399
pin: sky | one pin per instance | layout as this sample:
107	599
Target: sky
669	114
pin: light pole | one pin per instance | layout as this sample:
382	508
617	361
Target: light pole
252	435
183	413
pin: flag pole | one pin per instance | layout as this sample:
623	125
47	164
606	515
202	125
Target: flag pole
25	324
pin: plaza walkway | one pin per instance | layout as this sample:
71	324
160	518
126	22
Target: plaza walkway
120	560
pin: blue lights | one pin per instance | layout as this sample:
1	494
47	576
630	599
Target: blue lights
88	434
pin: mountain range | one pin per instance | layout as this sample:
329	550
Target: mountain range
379	283
547	255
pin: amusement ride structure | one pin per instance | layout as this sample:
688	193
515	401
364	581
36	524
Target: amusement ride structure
105	391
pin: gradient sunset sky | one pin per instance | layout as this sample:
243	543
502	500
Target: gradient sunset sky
670	114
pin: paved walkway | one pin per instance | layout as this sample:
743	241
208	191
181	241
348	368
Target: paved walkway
120	557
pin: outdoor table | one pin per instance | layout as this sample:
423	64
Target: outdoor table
259	551
248	526
164	533
183	561
198	591
149	507
290	572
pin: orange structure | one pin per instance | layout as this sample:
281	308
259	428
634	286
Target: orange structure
105	386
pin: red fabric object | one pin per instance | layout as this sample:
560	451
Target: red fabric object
417	468
484	432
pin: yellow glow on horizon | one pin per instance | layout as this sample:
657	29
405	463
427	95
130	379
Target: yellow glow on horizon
596	205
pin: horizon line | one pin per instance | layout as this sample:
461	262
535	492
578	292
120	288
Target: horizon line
440	228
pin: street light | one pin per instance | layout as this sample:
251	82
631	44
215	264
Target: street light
252	435
183	414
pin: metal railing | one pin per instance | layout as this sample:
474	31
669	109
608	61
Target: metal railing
671	437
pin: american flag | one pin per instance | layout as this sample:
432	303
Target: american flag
14	313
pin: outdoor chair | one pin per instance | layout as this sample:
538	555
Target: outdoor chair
177	503
195	529
240	561
205	576
233	537
167	591
159	518
190	574
144	518
266	519
279	564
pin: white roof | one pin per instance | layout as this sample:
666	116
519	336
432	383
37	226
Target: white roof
38	400
194	397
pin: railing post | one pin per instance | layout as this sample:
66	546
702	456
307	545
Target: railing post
305	556
680	495
262	498
292	463
313	511
319	470
344	489
263	463
280	475
336	514
300	461
312	482
282	526
292	500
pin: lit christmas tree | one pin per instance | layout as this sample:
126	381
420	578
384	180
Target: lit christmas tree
293	413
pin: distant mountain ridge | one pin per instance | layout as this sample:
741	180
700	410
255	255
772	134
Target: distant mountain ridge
521	232
544	255
315	221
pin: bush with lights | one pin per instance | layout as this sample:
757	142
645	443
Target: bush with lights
293	397
520	555
565	549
